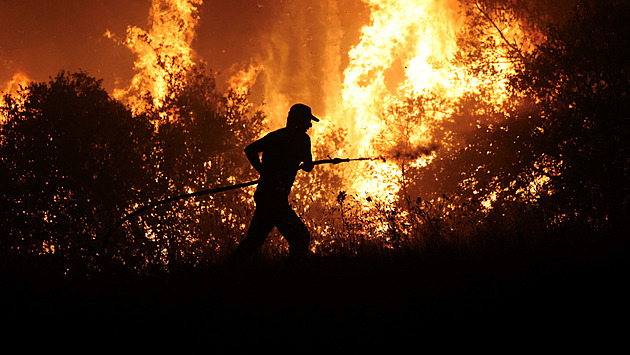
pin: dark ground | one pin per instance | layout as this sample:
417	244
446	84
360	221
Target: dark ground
574	298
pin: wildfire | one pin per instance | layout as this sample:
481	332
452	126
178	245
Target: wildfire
403	49
163	53
11	87
403	52
406	50
384	76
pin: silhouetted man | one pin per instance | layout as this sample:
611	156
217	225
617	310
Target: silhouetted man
284	152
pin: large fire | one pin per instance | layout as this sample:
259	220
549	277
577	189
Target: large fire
389	80
355	62
404	50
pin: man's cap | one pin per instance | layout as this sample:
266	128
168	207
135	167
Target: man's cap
302	111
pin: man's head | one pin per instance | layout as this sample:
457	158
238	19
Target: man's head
300	117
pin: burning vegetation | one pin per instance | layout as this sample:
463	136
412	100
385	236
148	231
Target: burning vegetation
482	119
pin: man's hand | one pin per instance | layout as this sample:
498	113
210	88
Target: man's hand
307	166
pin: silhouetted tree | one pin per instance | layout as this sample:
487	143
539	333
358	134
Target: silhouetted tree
558	144
198	143
75	161
71	158
579	79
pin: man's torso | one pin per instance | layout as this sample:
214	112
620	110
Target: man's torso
282	153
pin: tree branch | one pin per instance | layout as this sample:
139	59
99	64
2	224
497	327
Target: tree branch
489	18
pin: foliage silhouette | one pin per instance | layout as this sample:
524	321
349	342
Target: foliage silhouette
75	160
579	78
72	158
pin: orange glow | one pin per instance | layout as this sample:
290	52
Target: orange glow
404	50
11	87
353	61
162	51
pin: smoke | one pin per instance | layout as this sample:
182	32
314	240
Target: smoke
301	56
412	154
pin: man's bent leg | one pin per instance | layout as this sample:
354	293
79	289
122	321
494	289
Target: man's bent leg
295	232
259	228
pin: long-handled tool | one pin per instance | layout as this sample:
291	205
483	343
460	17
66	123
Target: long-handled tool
212	191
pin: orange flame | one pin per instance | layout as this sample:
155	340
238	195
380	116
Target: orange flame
405	50
163	51
11	87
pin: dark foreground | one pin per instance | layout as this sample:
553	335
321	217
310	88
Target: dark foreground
521	300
